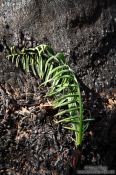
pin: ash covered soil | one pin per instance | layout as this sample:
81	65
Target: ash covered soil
32	144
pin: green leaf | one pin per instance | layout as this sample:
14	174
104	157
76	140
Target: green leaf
66	96
71	128
55	91
63	104
61	57
58	69
85	127
17	61
69	119
23	61
32	64
48	72
67	111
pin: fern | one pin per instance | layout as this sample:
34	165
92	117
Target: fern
51	68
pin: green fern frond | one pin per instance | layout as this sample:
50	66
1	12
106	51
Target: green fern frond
64	88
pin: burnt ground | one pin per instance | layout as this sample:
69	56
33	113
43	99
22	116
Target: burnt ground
30	142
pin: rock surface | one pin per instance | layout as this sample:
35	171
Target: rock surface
86	32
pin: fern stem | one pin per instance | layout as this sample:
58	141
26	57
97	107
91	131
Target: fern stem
80	133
